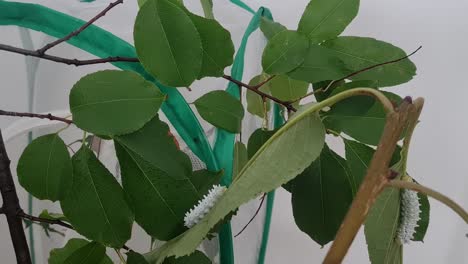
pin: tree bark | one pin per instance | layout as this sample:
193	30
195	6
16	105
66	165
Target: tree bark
11	208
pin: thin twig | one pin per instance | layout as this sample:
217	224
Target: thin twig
75	62
32	115
253	217
432	193
42	50
256	90
44	220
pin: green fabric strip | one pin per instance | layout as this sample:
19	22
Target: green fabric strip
224	143
243	5
57	24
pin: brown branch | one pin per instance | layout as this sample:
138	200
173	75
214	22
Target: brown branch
253	217
374	181
23	215
32	115
11	207
42	50
255	89
75	62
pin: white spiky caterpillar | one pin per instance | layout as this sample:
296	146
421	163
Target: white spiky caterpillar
197	213
410	215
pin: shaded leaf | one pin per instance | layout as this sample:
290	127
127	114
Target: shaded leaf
222	110
381	226
113	102
91	253
358	53
258	138
260	175
204	180
45	169
173	51
284	52
240	158
319	64
135	258
60	255
196	258
218	49
270	28
321	196
326	19
154	144
287	89
255	104
361	117
159	199
424	216
96	204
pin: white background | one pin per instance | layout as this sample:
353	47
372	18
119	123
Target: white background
438	156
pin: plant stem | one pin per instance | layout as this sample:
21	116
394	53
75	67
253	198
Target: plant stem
44	220
32	115
432	193
11	207
373	183
207	6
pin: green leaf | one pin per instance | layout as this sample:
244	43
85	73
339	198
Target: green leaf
326	19
258	138
135	258
287	89
240	158
319	64
159	199
381	226
361	117
91	253
96	205
168	43
154	144
284	52
204	180
61	255
222	110
196	258
358	53
358	157
260	175
270	28
321	196
218	49
254	101
424	215
113	102
52	216
45	169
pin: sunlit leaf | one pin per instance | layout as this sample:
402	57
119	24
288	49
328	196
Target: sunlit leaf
222	110
168	43
358	53
114	102
287	89
96	204
255	104
45	168
326	19
284	52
